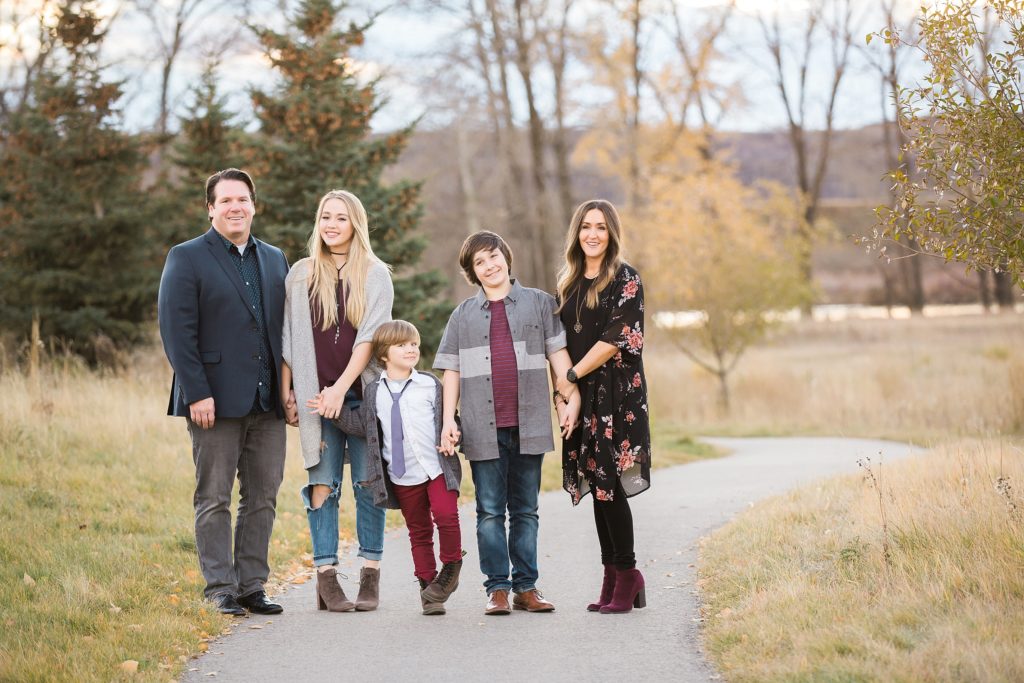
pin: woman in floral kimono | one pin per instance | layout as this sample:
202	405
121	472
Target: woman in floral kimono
602	307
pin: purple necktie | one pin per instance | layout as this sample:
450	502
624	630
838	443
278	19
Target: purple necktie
397	435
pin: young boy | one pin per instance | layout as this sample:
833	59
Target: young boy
400	417
493	355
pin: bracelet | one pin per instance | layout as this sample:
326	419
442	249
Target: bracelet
556	394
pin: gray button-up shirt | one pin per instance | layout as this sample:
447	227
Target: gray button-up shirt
537	333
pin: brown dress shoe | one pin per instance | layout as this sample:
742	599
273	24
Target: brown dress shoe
497	603
532	601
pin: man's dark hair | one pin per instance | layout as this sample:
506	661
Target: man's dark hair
485	240
228	174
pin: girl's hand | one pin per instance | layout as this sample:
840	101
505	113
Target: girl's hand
328	402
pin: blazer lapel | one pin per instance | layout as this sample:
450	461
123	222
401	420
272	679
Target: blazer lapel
220	255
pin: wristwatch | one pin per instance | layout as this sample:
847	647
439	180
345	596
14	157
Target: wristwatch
571	375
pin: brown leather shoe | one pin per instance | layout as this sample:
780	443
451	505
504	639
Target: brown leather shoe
329	595
497	603
532	601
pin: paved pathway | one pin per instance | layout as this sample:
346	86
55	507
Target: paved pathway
658	643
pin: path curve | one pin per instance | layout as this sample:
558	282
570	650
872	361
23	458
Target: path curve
658	643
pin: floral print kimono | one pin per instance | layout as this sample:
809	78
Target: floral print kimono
612	445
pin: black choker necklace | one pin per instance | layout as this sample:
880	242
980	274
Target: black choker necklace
340	253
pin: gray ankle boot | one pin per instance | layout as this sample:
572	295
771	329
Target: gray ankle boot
369	590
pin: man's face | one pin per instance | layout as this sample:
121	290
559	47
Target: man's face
232	210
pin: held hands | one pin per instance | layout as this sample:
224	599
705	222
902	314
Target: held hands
450	436
291	409
568	414
202	412
328	402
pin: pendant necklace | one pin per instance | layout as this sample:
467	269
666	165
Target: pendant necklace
578	327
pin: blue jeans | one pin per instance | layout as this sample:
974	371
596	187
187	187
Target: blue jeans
323	521
512	482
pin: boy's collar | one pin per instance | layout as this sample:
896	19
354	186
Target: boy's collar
416	374
513	294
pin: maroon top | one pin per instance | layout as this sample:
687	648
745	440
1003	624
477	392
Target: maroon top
504	371
333	346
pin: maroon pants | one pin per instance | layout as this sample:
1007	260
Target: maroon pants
418	503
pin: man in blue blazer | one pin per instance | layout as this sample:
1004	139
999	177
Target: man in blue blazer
220	307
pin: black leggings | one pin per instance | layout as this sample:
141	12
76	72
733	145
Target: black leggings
614	523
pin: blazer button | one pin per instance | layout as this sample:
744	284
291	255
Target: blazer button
255	356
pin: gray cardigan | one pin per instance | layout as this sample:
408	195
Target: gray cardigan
362	421
297	343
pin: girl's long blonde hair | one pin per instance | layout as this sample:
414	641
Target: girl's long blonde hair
570	276
324	275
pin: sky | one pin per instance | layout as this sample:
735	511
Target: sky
405	47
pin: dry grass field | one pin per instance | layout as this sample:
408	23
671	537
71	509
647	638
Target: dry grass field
923	380
97	556
909	572
915	574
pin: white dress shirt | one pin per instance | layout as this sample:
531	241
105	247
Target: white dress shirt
418	411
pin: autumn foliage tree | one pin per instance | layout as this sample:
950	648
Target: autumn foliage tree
962	199
724	253
73	250
314	136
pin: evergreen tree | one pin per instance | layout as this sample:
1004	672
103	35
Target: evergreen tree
74	218
209	142
315	136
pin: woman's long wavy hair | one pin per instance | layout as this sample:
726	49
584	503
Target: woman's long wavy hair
570	276
324	275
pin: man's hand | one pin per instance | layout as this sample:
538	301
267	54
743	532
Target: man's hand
202	412
291	409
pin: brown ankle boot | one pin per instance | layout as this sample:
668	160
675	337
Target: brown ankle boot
369	590
444	584
607	589
329	595
429	608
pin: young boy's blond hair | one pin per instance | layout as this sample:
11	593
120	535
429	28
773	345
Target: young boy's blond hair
389	334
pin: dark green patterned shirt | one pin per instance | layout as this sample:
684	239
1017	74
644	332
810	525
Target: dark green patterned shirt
248	267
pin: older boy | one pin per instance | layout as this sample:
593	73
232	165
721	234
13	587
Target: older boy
493	353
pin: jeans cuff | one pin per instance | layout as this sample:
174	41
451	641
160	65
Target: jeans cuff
375	555
325	560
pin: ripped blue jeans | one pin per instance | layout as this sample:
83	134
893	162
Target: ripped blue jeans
323	521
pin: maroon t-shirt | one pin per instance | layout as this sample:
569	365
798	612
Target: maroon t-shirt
504	370
333	346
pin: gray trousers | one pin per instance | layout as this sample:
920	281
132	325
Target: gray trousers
253	449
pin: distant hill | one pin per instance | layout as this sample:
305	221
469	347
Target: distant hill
844	271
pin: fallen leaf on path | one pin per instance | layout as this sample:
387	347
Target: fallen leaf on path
174	599
129	665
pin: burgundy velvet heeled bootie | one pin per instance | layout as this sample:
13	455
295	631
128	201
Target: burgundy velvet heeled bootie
607	589
629	593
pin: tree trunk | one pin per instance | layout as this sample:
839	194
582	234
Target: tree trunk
983	291
1003	286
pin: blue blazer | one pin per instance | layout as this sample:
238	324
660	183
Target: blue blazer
208	329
